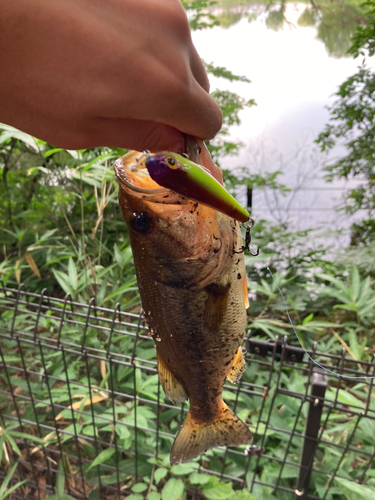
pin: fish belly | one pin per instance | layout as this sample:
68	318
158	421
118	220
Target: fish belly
198	349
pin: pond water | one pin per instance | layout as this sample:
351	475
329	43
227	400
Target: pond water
294	70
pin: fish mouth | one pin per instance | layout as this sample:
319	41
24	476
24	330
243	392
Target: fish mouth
133	177
131	172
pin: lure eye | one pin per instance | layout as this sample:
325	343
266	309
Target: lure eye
171	162
140	222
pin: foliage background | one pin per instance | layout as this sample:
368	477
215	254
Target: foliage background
61	228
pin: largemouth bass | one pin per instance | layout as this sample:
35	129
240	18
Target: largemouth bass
194	295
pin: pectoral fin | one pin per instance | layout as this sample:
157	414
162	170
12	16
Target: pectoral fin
216	305
238	367
173	389
245	292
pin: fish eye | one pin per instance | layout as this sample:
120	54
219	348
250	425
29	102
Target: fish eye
171	162
140	222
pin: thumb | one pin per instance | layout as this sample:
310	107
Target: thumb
133	134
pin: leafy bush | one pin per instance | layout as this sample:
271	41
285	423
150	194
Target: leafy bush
61	229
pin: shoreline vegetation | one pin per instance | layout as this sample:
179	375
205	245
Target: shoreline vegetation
61	229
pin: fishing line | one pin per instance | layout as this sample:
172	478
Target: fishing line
364	377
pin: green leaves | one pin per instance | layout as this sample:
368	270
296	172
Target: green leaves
363	40
160	474
122	257
218	492
354	491
9	132
172	489
72	272
4	490
60	479
357	296
352	125
182	469
60	484
154	495
200	17
139	487
214	489
53	209
243	495
64	281
222	72
199	478
102	457
52	219
8	436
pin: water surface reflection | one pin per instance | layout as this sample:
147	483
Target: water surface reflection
295	65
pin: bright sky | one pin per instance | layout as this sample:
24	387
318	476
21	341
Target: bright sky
292	76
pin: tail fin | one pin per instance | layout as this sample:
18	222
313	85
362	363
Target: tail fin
194	439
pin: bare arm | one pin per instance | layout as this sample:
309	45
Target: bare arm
86	73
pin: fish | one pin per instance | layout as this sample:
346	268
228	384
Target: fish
192	281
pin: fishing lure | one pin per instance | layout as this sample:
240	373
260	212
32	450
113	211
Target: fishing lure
183	176
248	226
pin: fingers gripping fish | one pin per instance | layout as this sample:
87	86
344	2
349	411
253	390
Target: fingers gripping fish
194	294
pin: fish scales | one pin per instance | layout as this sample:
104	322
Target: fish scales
191	283
178	329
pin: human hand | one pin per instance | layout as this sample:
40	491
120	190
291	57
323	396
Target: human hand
87	73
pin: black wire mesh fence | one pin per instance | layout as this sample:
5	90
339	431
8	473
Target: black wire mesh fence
81	406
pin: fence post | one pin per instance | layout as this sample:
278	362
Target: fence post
318	389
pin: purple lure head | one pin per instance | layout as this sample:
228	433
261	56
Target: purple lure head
157	168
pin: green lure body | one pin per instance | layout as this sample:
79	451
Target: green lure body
175	172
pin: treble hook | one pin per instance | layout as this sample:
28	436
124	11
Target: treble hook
138	161
247	226
146	155
180	152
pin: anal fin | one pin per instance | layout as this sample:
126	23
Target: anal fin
194	439
238	367
173	389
